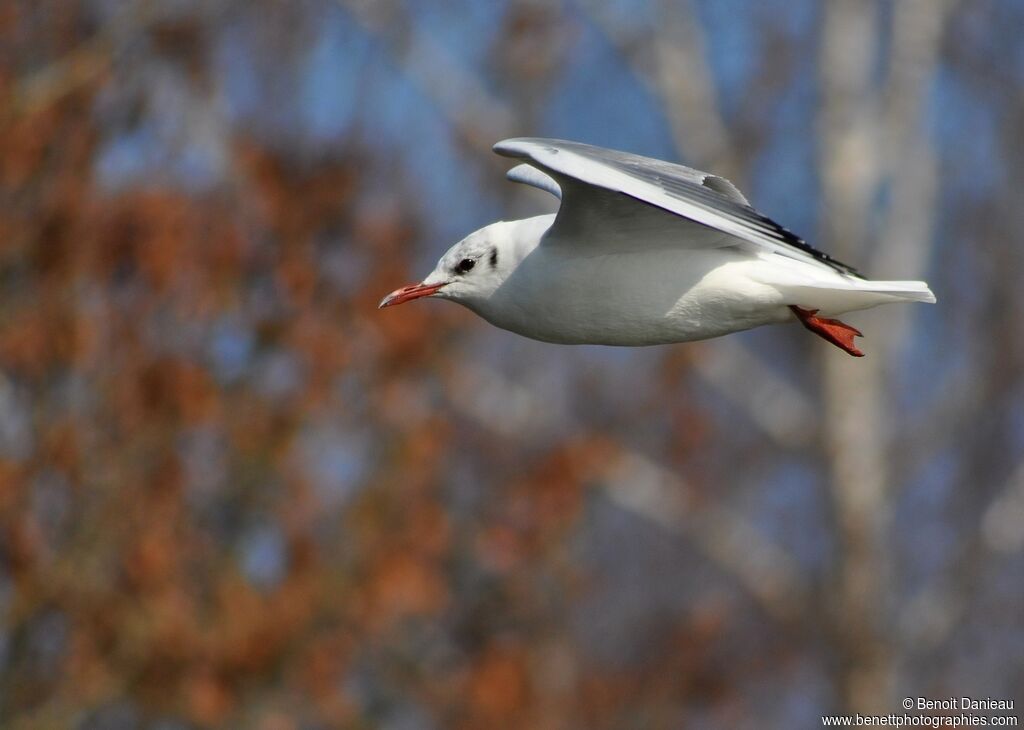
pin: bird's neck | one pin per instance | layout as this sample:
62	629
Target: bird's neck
525	235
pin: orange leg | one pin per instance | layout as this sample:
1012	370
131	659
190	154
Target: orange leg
838	333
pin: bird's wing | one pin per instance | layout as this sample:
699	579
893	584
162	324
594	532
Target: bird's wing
601	186
530	175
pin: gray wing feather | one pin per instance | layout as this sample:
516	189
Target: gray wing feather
530	175
706	199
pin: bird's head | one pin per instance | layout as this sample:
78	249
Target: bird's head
468	273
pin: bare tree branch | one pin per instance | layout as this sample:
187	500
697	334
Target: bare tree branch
636	483
764	570
477	116
910	158
778	408
929	619
1002	527
81	66
659	56
853	389
857	156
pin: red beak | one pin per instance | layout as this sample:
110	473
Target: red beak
408	293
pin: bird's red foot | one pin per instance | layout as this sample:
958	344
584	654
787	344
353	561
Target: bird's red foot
838	333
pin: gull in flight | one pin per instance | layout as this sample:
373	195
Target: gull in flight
644	252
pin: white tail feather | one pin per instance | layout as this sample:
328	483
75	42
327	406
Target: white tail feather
912	291
837	295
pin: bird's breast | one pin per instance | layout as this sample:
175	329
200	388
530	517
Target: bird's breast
644	297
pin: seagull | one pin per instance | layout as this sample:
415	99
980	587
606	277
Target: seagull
644	252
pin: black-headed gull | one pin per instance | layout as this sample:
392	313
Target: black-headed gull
644	252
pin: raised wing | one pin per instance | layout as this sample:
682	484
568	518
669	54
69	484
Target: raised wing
712	201
530	175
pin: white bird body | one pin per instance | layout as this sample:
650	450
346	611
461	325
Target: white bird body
644	252
655	294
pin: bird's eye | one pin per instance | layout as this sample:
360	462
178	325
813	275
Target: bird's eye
465	265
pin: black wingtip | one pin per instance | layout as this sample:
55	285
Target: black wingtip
794	240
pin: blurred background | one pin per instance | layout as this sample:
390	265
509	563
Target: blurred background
234	494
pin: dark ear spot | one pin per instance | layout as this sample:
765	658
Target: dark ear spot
494	257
